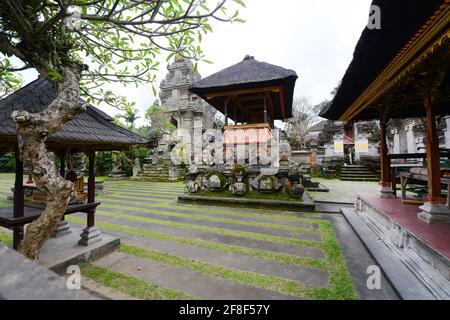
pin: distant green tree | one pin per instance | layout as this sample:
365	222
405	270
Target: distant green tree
159	120
130	116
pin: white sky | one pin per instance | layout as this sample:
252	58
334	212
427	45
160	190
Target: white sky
316	38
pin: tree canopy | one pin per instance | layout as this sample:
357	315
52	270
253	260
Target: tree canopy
81	45
118	39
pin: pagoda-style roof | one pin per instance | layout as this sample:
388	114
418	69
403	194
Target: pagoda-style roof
90	130
388	63
243	87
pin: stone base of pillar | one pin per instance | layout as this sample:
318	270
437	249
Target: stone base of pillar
434	213
89	236
62	229
386	192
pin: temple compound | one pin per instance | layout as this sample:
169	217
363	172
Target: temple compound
251	154
183	108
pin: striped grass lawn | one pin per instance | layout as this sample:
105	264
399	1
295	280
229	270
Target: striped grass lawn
148	202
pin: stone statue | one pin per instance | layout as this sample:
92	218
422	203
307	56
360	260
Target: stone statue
117	169
136	167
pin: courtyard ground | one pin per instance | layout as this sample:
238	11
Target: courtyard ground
343	191
179	251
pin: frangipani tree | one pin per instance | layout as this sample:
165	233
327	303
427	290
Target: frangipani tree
80	46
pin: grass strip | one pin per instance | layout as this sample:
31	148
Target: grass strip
5	204
6	238
254	279
206	218
341	285
258	253
270	214
229	232
131	285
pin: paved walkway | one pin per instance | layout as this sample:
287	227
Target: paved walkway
178	251
343	191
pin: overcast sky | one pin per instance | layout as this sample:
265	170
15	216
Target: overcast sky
316	38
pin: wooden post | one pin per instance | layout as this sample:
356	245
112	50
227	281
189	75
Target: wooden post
432	151
435	209
18	188
62	165
265	111
19	201
385	183
91	188
226	112
90	234
91	179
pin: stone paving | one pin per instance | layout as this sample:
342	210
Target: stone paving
178	251
343	191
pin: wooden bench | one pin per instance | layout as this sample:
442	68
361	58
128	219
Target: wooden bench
420	179
7	219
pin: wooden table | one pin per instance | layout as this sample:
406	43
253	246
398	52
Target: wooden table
7	219
395	171
420	179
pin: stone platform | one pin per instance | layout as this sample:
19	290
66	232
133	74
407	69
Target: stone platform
414	255
295	205
58	253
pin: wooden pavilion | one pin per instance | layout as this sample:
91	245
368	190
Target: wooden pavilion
253	94
88	132
402	71
250	92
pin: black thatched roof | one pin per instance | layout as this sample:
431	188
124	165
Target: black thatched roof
247	74
400	20
92	128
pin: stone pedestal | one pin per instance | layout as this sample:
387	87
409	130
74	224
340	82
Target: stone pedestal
62	229
386	191
434	213
89	236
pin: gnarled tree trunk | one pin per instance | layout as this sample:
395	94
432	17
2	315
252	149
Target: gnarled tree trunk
32	132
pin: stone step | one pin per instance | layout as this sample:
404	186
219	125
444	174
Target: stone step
358	176
186	281
305	275
357	179
276	247
150	205
206	223
355	173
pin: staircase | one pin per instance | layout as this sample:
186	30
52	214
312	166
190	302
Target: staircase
162	171
357	173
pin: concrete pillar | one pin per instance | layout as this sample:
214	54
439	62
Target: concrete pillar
447	132
396	147
410	139
385	183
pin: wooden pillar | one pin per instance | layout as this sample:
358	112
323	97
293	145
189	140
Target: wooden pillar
226	112
432	151
385	183
18	188
90	234
19	203
265	111
91	179
62	166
